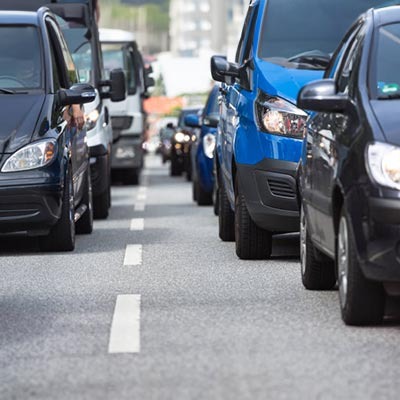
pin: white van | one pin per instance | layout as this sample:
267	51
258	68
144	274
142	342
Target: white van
128	118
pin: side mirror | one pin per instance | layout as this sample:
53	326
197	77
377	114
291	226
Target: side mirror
211	120
117	85
79	93
322	96
192	120
224	71
149	81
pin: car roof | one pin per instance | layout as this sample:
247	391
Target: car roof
115	36
19	18
387	15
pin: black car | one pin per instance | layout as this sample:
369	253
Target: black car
350	171
45	185
181	143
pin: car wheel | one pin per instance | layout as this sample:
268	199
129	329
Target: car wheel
175	169
252	242
226	217
131	177
362	302
203	198
62	235
85	224
317	269
194	191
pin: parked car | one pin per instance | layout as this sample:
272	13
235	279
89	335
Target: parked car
202	150
261	131
128	117
45	181
350	171
78	24
180	145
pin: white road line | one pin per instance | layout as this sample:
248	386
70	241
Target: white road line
142	190
133	254
140	206
141	197
125	328
137	224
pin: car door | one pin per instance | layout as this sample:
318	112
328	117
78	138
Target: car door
236	96
332	137
76	138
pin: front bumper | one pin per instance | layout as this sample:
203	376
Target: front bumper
269	189
30	209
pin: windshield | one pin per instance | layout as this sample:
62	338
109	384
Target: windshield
20	58
297	33
81	51
116	56
388	61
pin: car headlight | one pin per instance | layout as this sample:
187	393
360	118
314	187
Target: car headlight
383	164
32	156
209	145
180	137
91	119
279	117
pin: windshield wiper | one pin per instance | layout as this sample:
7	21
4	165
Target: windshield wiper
315	57
7	91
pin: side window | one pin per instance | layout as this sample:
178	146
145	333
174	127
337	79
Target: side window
349	63
131	73
59	80
65	55
248	48
240	48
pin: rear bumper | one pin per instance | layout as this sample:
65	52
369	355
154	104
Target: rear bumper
127	153
269	189
30	209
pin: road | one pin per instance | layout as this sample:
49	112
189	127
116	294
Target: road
169	312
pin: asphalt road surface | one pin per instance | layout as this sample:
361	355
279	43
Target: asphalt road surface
153	306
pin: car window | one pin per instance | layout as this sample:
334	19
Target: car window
296	33
20	58
240	48
387	77
248	48
349	64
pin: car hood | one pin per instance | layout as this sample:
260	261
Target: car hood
284	82
386	113
19	114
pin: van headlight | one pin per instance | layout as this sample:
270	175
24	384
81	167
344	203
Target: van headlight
32	156
209	145
91	119
383	164
279	117
180	137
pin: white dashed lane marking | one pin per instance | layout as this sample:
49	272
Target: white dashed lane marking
133	255
137	224
125	328
140	206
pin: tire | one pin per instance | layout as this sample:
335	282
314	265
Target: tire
194	191
203	198
226	217
100	205
252	242
317	269
131	177
85	224
362	302
176	168
62	235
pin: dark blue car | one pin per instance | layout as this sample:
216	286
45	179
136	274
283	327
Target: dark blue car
284	45
203	149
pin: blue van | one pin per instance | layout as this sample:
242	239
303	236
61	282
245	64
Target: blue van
284	45
203	148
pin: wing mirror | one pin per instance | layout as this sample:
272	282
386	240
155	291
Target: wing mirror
224	71
211	120
116	86
79	93
322	96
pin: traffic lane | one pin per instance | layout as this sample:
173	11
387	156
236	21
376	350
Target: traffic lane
57	308
225	328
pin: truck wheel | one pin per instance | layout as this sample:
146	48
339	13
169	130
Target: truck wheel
62	235
317	269
362	302
226	217
203	198
252	242
85	224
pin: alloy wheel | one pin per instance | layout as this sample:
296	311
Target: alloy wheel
303	240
